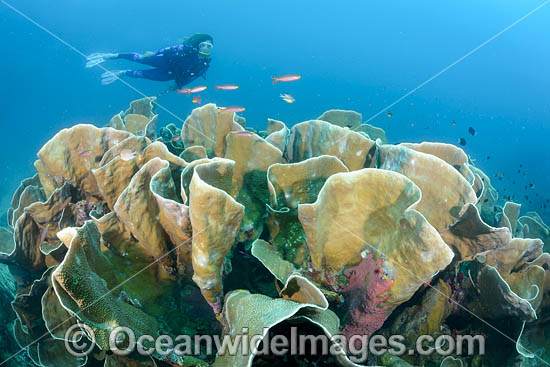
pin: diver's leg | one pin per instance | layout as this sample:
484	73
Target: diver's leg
156	60
151	59
160	75
132	56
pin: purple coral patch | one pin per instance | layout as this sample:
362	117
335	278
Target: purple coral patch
363	294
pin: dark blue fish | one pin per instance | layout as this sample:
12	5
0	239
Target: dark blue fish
462	141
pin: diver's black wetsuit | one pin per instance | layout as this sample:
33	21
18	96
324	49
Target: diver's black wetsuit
181	63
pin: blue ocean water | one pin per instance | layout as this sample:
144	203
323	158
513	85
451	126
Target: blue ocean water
355	55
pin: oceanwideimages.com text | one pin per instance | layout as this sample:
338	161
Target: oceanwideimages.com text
123	341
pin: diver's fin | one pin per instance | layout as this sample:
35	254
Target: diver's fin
98	58
111	76
94	59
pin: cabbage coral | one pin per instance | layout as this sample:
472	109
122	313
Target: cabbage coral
211	227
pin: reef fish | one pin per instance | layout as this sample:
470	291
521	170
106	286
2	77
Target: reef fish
188	91
232	109
285	78
176	138
44	233
472	131
389	114
462	141
227	87
197	99
86	153
127	154
244	133
288	98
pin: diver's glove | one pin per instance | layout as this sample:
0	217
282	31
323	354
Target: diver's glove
98	58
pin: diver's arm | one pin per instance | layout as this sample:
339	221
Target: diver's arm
174	50
164	51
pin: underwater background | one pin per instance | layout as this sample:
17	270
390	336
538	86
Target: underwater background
353	55
469	73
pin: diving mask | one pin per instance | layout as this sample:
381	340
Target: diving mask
205	48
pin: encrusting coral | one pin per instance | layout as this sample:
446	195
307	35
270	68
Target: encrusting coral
362	228
346	234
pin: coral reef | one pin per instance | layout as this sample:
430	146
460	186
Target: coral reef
210	227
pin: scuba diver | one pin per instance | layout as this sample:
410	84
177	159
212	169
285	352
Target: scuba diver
182	63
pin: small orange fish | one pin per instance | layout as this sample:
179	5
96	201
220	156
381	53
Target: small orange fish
176	138
285	78
85	153
197	89
197	99
65	203
188	91
227	87
44	233
232	109
243	133
27	323
127	154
